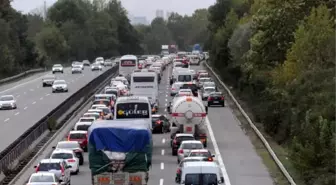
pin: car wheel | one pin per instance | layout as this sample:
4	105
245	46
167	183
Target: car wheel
43	85
178	161
81	161
205	144
223	104
174	153
209	104
53	72
67	91
162	130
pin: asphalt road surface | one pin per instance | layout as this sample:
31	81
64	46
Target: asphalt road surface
35	101
234	151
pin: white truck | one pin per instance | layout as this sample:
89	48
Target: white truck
188	116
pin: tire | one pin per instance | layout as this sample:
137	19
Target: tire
53	72
81	161
174	153
178	161
223	104
205	144
209	105
43	85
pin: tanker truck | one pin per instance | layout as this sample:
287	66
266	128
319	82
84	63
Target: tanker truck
120	152
188	116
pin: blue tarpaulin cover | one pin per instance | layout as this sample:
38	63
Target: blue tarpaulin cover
120	136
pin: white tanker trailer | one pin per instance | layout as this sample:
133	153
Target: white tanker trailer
188	116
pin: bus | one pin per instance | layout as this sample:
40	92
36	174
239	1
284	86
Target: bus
144	82
133	107
127	64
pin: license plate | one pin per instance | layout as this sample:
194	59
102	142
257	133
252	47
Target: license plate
216	101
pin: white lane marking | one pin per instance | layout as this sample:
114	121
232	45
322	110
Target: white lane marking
24	93
165	104
47	94
166	95
17	113
218	155
6	120
34	102
162	152
163	140
22	84
72	80
165	110
25	108
41	98
31	89
166	99
38	86
18	96
161	181
162	166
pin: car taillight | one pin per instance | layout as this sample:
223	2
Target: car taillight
222	98
173	89
175	142
180	151
210	159
178	171
210	99
158	122
71	160
37	168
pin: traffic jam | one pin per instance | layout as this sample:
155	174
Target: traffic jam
133	95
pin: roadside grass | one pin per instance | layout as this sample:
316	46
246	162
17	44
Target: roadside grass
280	151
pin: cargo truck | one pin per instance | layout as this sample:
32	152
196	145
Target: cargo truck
120	152
188	116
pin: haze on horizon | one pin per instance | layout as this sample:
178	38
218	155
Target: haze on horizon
134	7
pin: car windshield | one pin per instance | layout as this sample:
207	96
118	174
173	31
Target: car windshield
59	82
105	110
204	79
68	145
6	98
192	146
42	178
95	64
77	136
62	156
201	179
185	138
49	166
57	65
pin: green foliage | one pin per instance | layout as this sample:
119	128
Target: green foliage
282	61
74	30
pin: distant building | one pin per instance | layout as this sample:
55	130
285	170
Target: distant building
159	13
168	14
139	20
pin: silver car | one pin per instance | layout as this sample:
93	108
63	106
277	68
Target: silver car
175	88
185	148
206	91
57	68
48	80
45	178
209	84
96	67
7	102
76	69
59	86
57	167
202	80
108	62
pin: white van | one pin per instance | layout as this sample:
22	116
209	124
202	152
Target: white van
100	60
201	173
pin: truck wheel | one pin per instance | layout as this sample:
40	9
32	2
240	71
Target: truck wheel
205	144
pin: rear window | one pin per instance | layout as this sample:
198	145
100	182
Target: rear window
189	86
86	120
184	78
104	102
62	156
49	166
185	138
201	179
83	127
77	136
199	154
40	178
192	146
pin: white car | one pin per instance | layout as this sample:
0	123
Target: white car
57	68
71	145
69	157
47	178
91	114
100	60
185	92
7	102
57	167
108	62
59	86
76	69
96	67
82	126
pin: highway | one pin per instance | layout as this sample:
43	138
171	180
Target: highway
237	156
35	101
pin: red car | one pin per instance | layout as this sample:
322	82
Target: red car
80	136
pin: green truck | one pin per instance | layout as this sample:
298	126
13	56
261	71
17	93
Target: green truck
120	152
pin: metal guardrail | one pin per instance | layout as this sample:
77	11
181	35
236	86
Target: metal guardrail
21	144
256	130
9	79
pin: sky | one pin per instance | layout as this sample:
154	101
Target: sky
134	7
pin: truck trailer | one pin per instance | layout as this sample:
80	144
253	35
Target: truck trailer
120	152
